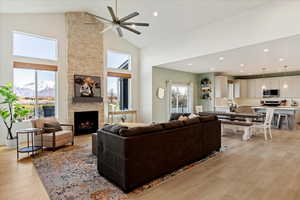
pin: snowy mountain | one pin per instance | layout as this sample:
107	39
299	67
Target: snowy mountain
45	89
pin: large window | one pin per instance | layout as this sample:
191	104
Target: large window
118	92
180	98
118	81
27	45
36	91
119	61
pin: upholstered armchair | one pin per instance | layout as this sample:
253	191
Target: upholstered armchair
53	137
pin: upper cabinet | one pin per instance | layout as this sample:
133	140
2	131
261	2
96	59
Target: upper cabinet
221	86
241	88
289	87
251	88
271	83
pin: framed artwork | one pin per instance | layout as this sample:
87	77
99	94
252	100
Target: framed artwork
87	86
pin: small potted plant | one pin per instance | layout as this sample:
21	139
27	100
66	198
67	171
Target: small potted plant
10	112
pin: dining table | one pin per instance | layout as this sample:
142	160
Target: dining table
234	119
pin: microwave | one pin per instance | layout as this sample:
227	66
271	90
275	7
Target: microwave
271	93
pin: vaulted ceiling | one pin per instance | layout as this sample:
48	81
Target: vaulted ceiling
175	17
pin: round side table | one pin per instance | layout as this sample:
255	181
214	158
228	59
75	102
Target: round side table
30	147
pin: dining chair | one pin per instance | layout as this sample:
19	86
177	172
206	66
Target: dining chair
266	125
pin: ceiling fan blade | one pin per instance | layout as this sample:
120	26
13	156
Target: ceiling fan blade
134	23
130	29
112	13
101	18
128	17
120	32
107	29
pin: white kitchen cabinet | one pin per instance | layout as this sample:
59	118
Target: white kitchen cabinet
285	87
251	91
260	85
289	87
221	86
240	88
272	83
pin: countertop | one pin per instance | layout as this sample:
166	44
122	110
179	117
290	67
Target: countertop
278	107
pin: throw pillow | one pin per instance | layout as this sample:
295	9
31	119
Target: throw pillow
114	128
183	118
50	127
191	116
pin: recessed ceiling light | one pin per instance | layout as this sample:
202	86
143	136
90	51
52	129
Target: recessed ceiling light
281	59
212	69
133	26
242	65
266	50
155	14
221	58
190	64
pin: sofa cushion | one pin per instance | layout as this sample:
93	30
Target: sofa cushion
173	124
208	118
52	126
114	128
141	130
192	121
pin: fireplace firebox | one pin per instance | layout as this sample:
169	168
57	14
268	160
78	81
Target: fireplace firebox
86	122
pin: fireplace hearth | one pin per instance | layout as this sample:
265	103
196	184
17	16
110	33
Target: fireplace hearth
86	122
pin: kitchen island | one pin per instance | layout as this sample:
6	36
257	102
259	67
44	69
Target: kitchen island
289	116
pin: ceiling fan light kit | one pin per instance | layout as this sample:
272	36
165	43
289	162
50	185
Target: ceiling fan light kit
120	23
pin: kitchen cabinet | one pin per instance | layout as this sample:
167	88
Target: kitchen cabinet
241	88
289	87
251	91
260	85
221	86
272	83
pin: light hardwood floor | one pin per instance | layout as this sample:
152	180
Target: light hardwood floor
257	169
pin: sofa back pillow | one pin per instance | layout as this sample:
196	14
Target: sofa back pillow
141	130
53	126
195	120
208	118
173	124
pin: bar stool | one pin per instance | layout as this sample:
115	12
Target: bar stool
286	120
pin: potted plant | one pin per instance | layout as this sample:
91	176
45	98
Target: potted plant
10	112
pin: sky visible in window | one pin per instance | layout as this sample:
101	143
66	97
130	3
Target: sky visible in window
26	45
115	59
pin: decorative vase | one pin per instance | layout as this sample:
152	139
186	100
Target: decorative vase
11	143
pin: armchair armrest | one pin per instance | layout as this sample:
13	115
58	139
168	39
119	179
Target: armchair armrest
72	127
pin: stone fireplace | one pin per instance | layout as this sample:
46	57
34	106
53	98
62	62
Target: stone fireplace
84	57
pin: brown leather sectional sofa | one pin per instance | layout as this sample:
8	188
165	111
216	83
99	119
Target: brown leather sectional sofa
132	157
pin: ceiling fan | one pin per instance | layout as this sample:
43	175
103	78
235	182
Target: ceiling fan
119	23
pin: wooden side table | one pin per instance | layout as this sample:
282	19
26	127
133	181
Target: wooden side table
30	148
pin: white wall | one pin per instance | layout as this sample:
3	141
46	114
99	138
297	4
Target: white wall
48	25
115	43
270	22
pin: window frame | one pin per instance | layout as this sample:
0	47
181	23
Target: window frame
111	69
36	36
36	68
114	72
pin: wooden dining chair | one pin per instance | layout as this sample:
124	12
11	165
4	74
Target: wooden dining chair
266	125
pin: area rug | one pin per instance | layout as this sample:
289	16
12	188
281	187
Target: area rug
71	174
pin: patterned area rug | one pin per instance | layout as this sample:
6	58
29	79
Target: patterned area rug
71	174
